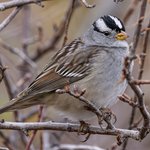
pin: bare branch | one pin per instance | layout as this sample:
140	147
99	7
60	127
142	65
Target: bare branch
17	3
85	3
9	88
9	18
35	131
2	70
75	147
68	127
6	141
144	50
89	105
135	88
139	26
130	10
19	53
127	100
138	82
47	46
68	22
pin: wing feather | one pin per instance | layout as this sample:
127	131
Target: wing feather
67	69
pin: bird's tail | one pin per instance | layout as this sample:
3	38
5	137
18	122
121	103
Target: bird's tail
19	103
8	106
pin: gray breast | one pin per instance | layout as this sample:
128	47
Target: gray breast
104	83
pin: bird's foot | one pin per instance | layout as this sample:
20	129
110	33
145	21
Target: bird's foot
83	130
108	115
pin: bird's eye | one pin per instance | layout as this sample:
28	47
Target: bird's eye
106	33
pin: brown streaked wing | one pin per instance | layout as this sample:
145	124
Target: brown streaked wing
66	70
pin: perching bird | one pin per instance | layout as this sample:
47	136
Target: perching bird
93	62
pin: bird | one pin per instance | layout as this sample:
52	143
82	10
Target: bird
93	61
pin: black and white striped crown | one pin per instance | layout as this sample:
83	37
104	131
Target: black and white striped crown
108	23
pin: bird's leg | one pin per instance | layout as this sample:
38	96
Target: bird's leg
107	116
84	127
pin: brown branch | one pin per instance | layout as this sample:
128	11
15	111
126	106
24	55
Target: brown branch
6	141
17	3
49	45
19	53
134	134
138	28
89	105
9	18
76	147
35	131
135	88
125	99
2	70
68	22
139	95
130	10
144	51
139	82
10	89
85	3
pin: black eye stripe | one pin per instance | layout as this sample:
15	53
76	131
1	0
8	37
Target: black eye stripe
97	30
106	33
95	27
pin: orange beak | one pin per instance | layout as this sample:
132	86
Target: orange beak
121	36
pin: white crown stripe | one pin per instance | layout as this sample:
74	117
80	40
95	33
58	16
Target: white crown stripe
102	26
117	21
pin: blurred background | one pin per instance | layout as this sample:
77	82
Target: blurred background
26	26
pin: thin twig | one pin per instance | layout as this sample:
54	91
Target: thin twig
9	18
68	22
6	141
130	10
9	87
2	70
90	106
127	100
139	82
35	131
85	3
17	3
139	27
19	53
50	44
144	51
138	93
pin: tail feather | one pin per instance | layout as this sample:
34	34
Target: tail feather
8	107
19	103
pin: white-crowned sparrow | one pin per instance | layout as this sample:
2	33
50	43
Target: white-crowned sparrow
93	62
